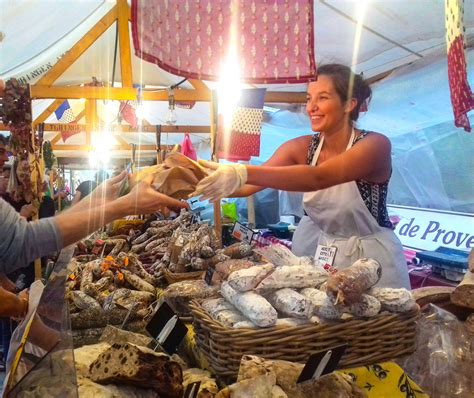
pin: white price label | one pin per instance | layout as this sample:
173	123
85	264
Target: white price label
242	233
325	255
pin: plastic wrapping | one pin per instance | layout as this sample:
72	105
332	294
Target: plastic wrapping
41	358
443	363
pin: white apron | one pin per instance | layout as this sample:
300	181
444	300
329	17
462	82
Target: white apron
337	216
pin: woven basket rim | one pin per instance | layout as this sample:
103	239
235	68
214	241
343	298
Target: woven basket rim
274	331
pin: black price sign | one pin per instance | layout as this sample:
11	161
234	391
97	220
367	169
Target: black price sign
192	390
166	328
321	363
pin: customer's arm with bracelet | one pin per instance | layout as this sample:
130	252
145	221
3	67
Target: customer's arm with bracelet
22	241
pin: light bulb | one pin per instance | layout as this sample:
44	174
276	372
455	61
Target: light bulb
171	117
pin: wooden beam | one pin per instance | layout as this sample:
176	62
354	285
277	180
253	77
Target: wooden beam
127	93
80	115
55	139
114	147
121	141
124	40
78	49
198	85
124	128
47	112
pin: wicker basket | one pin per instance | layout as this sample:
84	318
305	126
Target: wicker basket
173	277
380	338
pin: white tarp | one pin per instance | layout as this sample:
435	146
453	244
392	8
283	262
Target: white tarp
432	160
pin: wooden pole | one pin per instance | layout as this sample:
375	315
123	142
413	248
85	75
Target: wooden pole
159	157
251	210
215	158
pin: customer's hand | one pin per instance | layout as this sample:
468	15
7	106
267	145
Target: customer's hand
143	199
223	182
27	211
109	189
22	309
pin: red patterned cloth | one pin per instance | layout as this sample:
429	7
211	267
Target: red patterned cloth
190	38
243	141
461	94
127	112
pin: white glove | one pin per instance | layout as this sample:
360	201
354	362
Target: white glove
223	182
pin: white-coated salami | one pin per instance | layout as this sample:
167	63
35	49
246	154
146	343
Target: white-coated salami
247	279
367	306
291	303
297	276
253	306
394	300
216	305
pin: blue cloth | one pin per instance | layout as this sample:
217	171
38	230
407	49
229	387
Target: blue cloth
22	241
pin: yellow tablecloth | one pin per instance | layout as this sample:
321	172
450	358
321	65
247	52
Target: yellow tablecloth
385	380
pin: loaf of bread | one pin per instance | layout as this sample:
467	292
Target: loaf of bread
252	305
347	285
394	300
130	364
298	276
247	279
291	303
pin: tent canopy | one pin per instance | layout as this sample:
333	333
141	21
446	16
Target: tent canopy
402	46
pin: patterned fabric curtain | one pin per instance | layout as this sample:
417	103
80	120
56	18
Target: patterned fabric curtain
190	38
461	94
243	139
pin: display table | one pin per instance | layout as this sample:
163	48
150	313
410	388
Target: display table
424	276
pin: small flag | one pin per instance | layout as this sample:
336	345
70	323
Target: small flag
461	94
244	138
127	111
64	114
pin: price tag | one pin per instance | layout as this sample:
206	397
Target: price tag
209	273
243	233
192	390
325	255
321	363
167	329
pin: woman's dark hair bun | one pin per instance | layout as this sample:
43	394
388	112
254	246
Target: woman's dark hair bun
342	76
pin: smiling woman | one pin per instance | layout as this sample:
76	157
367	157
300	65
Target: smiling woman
344	172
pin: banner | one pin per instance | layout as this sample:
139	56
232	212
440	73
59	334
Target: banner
428	229
274	39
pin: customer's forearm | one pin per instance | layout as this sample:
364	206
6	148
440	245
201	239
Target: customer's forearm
74	225
11	305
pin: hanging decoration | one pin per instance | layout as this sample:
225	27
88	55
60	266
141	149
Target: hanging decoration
48	155
243	139
28	167
461	94
190	38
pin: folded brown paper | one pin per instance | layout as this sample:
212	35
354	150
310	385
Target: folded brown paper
177	176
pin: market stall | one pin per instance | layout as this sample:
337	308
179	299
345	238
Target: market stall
173	305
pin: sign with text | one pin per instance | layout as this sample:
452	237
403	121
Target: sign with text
243	233
427	229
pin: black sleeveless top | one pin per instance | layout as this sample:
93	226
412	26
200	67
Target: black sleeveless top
373	194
